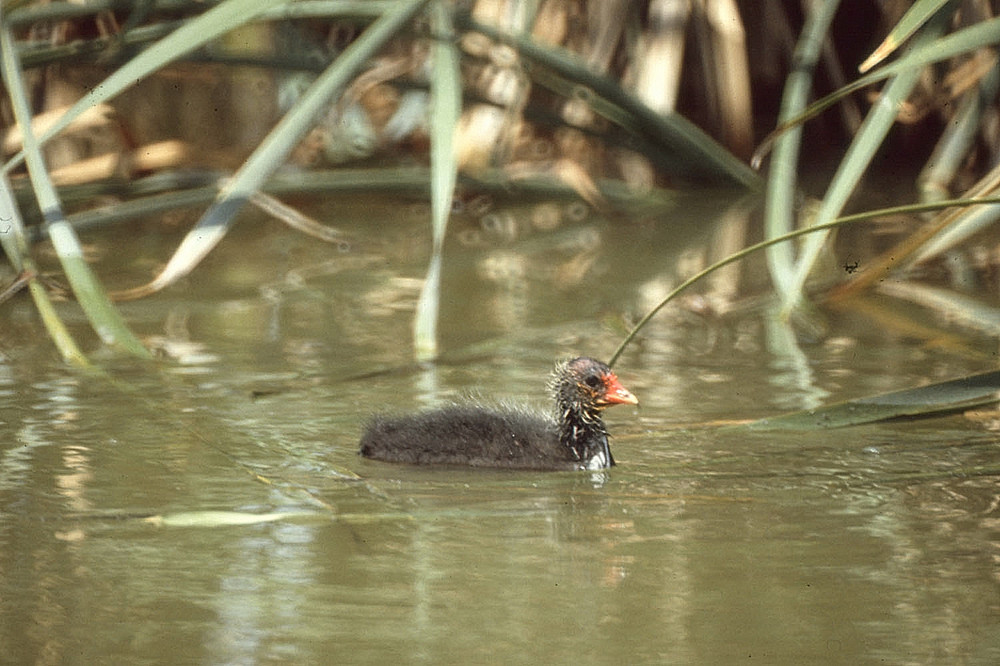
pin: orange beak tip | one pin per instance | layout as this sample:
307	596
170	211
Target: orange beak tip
616	394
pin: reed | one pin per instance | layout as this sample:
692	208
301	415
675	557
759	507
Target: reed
577	96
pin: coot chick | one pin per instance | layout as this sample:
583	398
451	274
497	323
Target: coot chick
573	438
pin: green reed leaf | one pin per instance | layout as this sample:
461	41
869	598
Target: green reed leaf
106	321
870	137
917	15
445	107
13	240
194	33
272	151
867	216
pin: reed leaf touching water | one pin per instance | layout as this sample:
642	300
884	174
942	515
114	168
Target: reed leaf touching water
825	227
445	107
271	153
13	239
93	298
103	317
782	182
974	73
855	162
545	50
160	39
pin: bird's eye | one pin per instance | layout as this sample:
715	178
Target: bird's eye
593	381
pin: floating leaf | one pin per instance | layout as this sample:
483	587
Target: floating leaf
930	400
223	518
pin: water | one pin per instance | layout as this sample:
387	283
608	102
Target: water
706	545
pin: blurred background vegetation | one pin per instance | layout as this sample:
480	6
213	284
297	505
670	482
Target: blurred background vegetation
114	112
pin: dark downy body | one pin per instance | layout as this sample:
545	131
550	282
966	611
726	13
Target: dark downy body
574	437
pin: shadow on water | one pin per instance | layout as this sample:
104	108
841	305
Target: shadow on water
705	545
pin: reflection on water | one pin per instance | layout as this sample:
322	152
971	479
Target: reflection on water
705	545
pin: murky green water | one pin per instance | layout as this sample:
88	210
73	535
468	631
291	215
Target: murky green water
704	546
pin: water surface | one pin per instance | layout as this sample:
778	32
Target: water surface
706	545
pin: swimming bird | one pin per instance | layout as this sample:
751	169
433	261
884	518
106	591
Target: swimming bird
573	437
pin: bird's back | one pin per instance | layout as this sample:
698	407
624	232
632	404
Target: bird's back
468	435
